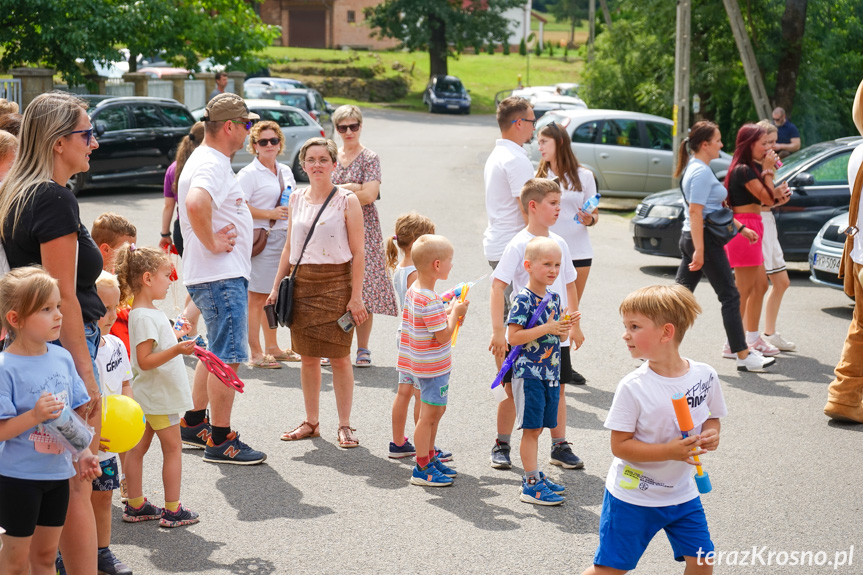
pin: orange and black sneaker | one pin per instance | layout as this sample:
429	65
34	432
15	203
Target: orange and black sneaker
195	436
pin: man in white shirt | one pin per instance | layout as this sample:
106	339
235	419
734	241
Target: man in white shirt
845	394
217	232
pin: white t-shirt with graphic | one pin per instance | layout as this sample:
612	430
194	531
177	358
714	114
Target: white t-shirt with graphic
114	369
642	404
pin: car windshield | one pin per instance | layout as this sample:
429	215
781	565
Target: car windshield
450	87
792	163
295	100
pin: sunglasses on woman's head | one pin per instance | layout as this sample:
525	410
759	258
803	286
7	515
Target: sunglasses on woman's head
345	127
268	142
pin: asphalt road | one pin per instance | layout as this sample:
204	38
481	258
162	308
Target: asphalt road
783	477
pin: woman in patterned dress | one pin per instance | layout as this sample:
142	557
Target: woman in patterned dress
359	170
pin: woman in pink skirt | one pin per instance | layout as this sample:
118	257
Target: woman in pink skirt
359	170
750	186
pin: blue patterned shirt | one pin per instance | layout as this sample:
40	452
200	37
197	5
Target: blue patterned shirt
540	358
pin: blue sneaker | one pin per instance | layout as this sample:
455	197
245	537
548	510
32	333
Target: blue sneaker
429	476
442	454
58	564
146	512
551	485
182	516
562	455
233	451
406	449
538	493
443	468
500	456
195	436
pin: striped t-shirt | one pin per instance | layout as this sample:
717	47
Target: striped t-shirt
420	353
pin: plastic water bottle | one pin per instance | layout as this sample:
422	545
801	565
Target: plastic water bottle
589	206
70	430
286	195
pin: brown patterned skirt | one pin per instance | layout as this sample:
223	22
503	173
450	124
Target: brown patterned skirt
321	297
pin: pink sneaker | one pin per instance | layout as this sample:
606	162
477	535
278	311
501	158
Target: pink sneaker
766	349
727	353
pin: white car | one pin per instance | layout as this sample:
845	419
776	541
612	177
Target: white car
826	252
629	153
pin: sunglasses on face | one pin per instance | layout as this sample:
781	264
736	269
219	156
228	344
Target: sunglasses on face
345	127
88	134
247	124
268	142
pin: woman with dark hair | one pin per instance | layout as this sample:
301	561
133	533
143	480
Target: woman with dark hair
702	255
750	185
41	224
577	186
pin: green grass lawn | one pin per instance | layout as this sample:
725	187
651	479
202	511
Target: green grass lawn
483	74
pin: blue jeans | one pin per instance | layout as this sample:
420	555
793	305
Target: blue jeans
224	305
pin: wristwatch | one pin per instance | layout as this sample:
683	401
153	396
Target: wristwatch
168	235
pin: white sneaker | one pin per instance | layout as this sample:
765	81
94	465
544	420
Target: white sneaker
727	353
754	362
779	342
766	349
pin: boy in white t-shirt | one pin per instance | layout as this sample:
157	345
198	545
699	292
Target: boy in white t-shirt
540	199
115	375
650	485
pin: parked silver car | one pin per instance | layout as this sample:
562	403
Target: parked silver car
296	124
826	252
629	153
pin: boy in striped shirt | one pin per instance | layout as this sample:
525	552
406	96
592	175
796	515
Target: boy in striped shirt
424	352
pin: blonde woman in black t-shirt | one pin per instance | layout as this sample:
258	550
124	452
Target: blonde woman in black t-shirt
41	225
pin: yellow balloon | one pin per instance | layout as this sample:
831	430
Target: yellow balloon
122	422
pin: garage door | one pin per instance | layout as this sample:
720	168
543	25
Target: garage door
307	29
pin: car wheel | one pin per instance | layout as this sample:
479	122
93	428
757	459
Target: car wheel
77	182
466	111
299	174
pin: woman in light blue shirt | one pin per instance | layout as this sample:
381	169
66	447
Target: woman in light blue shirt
702	255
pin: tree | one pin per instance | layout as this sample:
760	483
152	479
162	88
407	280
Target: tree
441	26
573	11
793	27
57	32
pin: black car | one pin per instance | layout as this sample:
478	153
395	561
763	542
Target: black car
817	177
446	94
138	139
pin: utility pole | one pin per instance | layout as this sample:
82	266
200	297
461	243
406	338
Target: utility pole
747	57
681	74
591	18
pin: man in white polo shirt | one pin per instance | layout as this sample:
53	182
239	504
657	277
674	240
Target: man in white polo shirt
217	232
845	394
506	171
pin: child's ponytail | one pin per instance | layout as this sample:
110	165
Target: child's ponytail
130	264
392	253
409	227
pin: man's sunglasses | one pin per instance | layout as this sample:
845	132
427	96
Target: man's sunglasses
88	134
268	142
345	127
526	120
246	123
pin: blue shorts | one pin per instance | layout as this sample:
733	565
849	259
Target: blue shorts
224	305
110	478
626	529
535	403
408	379
433	390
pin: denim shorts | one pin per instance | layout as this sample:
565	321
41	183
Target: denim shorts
224	305
626	529
535	403
94	336
433	390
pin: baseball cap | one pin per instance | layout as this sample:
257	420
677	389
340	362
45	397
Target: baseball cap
228	106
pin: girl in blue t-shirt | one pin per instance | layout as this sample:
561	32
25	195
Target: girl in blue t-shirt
36	381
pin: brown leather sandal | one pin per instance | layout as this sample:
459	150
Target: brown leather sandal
346	436
296	433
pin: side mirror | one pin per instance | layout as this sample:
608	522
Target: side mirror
802	180
100	128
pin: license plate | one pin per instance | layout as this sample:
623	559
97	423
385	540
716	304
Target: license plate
452	106
825	263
